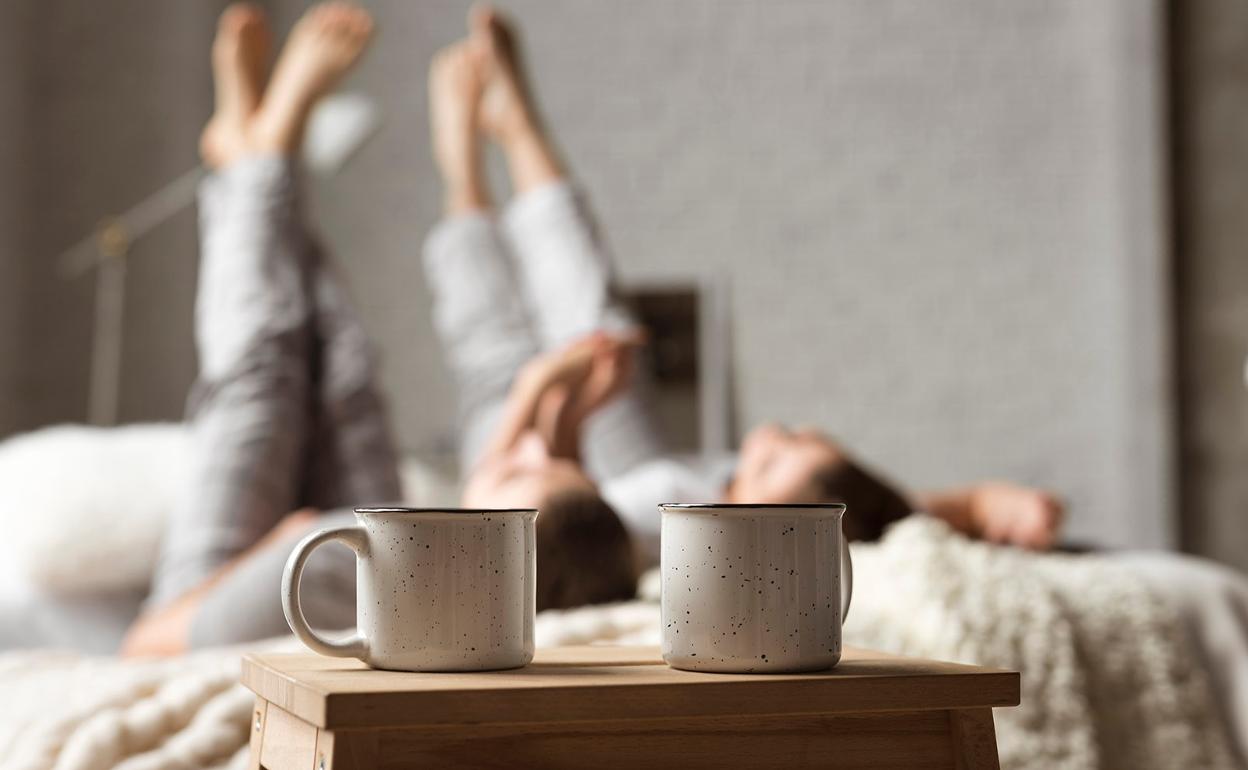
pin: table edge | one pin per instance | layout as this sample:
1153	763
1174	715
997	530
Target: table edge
995	688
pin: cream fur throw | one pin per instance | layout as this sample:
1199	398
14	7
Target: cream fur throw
1107	679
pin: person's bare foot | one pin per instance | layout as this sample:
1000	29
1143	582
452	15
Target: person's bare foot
506	110
239	54
322	47
508	113
455	88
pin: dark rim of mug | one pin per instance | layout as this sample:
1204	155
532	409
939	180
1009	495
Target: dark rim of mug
754	506
402	509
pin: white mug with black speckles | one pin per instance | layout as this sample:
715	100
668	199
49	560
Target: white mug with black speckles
437	589
754	588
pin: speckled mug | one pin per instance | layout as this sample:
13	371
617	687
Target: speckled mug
754	588
437	589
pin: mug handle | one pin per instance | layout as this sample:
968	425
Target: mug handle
847	583
354	646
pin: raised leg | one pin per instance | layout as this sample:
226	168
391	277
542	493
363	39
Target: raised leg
479	315
252	409
249	410
352	458
565	268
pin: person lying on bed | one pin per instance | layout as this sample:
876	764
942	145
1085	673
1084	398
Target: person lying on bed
286	419
537	278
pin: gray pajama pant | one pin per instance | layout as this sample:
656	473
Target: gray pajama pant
507	290
285	414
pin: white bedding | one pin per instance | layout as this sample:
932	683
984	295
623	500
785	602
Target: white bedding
84	508
1110	679
31	615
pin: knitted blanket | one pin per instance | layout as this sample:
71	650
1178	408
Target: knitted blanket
1108	679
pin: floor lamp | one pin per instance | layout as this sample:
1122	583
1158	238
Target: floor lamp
338	127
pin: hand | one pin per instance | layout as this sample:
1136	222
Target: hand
572	383
1016	515
573	362
610	371
589	371
556	391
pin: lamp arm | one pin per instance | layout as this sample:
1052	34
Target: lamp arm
136	222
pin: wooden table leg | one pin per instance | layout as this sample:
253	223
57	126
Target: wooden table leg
257	733
347	750
286	742
974	739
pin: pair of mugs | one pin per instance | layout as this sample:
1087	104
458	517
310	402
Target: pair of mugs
746	588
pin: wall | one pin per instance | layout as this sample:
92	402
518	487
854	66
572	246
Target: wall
12	96
1211	155
116	94
939	223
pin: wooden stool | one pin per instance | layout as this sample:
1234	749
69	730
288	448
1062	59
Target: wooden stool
622	707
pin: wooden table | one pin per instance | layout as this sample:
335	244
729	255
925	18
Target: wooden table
622	707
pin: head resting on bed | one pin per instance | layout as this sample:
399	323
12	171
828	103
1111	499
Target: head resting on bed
584	554
778	465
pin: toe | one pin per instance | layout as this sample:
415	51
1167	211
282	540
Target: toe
345	13
354	23
499	27
320	17
345	22
232	17
479	16
246	13
338	24
253	25
327	15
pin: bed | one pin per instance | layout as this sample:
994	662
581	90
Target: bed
1111	678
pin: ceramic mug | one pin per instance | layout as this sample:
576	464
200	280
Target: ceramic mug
437	589
754	588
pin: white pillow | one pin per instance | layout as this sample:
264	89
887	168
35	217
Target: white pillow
83	509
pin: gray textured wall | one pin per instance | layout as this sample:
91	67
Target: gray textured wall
1211	132
115	95
938	222
13	22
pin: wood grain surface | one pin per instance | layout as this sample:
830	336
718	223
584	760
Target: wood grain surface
604	684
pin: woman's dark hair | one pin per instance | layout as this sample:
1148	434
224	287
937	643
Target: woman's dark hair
870	503
584	554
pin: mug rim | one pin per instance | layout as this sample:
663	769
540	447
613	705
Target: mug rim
398	509
753	506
